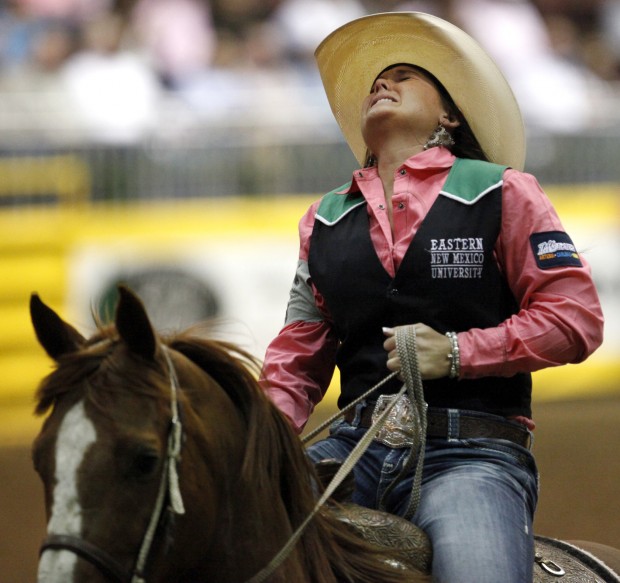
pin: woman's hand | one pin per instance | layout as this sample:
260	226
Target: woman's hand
433	350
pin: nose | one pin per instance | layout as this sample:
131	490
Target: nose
380	83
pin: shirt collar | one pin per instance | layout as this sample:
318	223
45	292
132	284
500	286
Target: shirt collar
429	161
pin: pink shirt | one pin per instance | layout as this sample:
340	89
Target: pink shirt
560	319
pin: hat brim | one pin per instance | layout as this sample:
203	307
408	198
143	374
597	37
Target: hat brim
352	56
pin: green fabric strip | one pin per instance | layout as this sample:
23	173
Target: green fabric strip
334	206
470	180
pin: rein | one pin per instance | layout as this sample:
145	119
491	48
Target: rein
168	489
407	352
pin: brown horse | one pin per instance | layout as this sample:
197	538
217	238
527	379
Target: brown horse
162	460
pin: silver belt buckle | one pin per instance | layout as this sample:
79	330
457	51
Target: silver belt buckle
400	429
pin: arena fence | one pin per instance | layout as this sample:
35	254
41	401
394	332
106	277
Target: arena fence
229	162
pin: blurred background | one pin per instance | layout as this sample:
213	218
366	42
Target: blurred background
174	144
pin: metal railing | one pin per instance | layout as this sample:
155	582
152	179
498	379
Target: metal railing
240	152
157	170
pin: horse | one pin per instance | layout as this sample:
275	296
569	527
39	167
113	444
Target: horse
163	461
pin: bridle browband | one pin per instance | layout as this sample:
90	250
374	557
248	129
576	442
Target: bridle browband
168	490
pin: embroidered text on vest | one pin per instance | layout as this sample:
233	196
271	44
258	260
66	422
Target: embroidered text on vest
457	258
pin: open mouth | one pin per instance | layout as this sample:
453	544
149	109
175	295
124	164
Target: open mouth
383	100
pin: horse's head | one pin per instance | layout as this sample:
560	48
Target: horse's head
103	454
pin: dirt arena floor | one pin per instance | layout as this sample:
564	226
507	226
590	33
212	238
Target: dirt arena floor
577	447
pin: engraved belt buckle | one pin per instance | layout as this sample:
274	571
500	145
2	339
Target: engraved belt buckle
400	429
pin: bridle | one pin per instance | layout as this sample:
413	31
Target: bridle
168	491
169	483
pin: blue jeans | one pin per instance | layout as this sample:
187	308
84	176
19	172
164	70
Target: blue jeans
477	505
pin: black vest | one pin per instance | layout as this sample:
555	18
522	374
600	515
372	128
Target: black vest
448	280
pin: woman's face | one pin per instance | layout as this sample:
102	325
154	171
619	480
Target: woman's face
402	99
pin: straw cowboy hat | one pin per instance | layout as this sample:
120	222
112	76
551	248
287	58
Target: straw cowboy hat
352	56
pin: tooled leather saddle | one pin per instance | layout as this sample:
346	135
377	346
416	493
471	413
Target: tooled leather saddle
555	561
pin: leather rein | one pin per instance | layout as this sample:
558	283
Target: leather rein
168	490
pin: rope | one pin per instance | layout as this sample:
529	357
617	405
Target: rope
343	471
348	407
407	351
410	370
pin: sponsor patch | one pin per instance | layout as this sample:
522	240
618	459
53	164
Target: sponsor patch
554	249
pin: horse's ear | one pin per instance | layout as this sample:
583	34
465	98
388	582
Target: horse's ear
55	335
133	324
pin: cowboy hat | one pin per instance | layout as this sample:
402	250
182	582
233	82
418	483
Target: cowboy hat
352	56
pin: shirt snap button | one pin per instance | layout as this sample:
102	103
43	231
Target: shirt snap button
402	172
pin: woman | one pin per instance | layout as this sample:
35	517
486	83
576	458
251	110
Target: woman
441	230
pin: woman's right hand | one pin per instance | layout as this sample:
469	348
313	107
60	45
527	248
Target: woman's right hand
433	349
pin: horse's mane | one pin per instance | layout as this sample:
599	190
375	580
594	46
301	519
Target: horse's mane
275	462
274	459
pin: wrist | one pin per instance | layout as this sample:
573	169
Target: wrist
454	356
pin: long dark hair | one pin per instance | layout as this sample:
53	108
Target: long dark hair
466	145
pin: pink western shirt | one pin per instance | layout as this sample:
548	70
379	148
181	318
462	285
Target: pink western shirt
560	319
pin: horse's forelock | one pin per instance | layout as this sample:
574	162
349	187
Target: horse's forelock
75	371
69	373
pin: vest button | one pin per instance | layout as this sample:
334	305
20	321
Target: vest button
393	292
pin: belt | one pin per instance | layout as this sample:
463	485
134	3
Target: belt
470	426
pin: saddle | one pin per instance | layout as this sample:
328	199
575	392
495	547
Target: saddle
555	561
407	545
404	543
559	561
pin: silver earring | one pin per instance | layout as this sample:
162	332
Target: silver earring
370	161
440	137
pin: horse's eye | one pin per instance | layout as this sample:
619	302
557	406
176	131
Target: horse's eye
144	464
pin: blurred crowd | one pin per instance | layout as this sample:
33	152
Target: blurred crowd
107	66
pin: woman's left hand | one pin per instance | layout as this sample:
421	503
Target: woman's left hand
433	350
